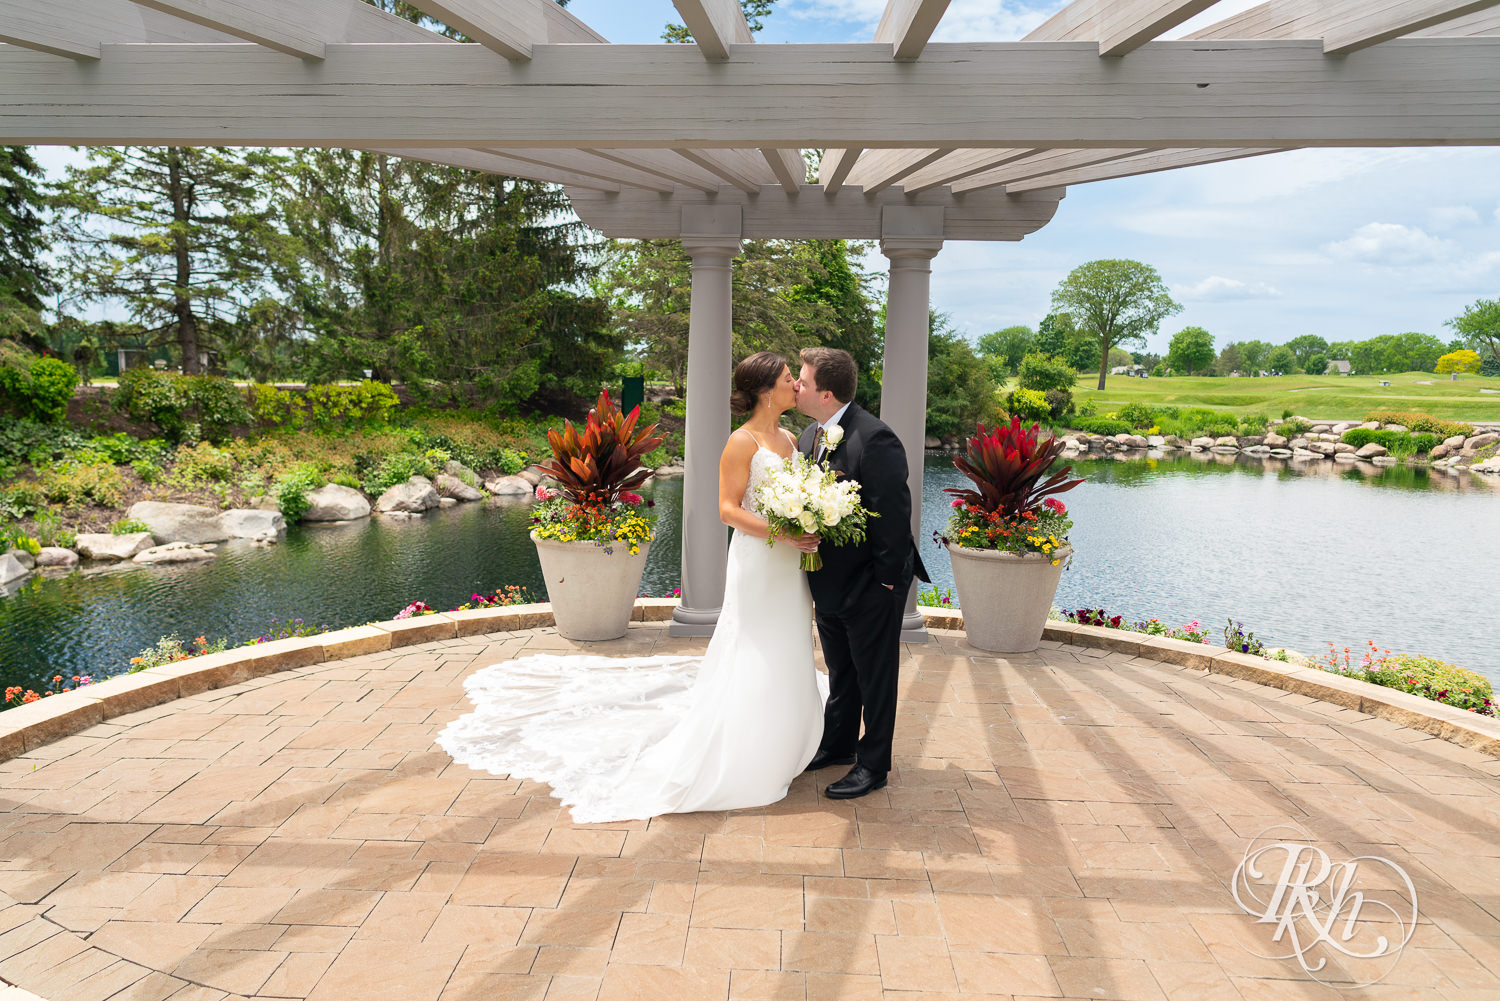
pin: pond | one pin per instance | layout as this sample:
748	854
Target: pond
1304	555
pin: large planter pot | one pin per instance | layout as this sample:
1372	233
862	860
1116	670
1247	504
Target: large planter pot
1005	597
592	591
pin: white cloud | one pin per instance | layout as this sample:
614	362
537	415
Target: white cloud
1389	243
1217	287
1451	216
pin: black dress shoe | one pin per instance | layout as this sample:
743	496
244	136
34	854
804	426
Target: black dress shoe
823	759
859	782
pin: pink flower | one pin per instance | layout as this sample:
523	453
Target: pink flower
630	498
1055	505
543	494
957	503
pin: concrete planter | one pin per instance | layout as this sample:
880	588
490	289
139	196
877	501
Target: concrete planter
592	592
1005	597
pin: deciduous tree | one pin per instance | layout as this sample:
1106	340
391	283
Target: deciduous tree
1479	326
1307	345
1459	362
1192	350
1117	301
1005	348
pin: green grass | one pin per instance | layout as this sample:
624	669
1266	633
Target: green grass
1322	397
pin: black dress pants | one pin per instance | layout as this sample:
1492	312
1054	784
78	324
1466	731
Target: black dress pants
862	648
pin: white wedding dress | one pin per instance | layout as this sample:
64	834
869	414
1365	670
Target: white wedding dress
630	738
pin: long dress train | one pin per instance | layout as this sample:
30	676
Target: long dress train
629	738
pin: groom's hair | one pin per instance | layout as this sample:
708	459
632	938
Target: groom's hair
833	370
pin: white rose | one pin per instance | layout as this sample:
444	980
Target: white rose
832	437
808	522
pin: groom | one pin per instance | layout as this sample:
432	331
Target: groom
860	593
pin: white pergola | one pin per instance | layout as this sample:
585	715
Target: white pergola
925	142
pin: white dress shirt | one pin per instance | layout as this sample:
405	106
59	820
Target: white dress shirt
829	423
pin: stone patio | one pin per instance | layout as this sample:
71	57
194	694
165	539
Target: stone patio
1063	824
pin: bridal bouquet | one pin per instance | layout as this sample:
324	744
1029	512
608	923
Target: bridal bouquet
806	496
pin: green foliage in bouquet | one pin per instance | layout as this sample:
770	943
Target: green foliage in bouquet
595	465
1006	466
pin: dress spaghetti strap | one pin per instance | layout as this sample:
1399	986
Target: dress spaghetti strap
754	438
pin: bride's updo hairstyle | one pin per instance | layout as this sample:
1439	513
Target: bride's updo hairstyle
755	375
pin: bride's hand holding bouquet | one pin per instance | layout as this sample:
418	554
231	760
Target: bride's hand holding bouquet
807	498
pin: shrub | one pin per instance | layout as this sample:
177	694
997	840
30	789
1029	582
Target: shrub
128	526
1060	402
1254	424
182	406
77	483
1434	678
394	469
1137	415
367	404
50	531
121	448
1102	425
30	441
37	389
21	500
1293	427
147	470
1421	422
1043	372
276	407
292	488
1029	405
194	465
1397	443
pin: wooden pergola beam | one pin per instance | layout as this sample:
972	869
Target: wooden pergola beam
907	25
1344	25
495	163
835	167
1174	94
744	169
510	28
1141	163
293	30
788	166
1119	26
665	164
881	168
577	162
960	164
1039	165
715	25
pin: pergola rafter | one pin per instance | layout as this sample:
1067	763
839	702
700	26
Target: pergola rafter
924	141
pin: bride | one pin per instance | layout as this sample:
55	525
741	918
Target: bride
626	739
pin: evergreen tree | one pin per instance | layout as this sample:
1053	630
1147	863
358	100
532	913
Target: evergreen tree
23	276
184	236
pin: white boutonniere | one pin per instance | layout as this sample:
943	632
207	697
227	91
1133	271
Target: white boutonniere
832	437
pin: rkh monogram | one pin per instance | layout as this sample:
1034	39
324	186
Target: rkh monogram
1320	907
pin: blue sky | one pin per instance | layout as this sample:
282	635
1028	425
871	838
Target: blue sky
1343	243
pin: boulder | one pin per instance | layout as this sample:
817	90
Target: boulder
173	552
1297	443
22	557
1384	460
1456	441
1257	450
462	472
1302	453
1249	440
1137	441
509	486
532	475
1369	450
1155	440
449	486
1474	444
668	472
244	523
414	496
179	522
1229	440
448	502
1225	449
56	556
1396	427
1322	447
1341	427
1274	440
1121	439
1345	457
103	546
11	568
1172	441
334	502
1202	442
1490	465
931	442
1340	447
1371	425
1440	451
1281	453
1320	428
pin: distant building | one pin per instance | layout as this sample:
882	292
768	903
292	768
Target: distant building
1338	368
1138	371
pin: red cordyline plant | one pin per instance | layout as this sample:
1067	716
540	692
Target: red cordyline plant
1007	465
594	465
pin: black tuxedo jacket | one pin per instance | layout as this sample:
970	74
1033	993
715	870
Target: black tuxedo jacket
871	454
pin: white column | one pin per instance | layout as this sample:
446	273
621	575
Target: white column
705	540
903	392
